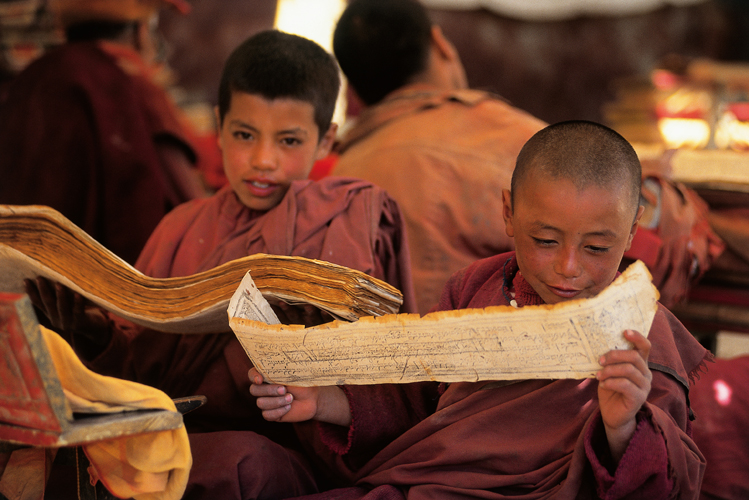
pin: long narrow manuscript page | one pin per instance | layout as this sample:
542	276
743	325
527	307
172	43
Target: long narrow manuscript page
497	343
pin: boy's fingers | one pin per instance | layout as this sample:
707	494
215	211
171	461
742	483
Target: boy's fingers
267	390
276	414
641	351
268	403
618	384
624	371
259	388
628	357
641	343
255	376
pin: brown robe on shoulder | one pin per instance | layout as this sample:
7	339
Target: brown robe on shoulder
721	430
445	157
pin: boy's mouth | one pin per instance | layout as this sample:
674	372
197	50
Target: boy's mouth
567	293
260	188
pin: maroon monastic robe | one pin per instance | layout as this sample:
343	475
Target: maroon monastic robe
344	221
534	439
80	134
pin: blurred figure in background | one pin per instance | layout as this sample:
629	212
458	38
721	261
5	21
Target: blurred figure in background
443	151
89	129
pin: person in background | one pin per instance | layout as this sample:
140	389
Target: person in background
89	130
443	151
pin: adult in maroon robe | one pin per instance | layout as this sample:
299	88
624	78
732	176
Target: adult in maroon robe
85	131
533	439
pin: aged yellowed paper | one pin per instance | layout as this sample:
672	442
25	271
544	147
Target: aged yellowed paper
247	302
497	343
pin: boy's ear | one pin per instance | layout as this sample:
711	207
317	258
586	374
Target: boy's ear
444	47
635	225
326	142
445	56
507	212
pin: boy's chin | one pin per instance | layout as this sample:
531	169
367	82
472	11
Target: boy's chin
262	204
552	296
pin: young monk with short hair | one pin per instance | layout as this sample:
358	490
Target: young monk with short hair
572	211
276	101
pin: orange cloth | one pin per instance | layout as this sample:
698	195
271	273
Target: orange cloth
445	158
152	466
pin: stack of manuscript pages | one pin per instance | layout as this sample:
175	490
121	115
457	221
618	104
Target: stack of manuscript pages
38	241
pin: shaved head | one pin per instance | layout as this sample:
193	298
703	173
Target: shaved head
583	152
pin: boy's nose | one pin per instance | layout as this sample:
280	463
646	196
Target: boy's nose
568	263
264	156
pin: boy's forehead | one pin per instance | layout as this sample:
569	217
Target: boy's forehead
538	179
557	204
302	106
302	110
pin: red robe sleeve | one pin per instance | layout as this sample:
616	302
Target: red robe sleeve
379	414
662	460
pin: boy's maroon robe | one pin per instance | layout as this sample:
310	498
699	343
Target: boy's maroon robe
343	221
533	439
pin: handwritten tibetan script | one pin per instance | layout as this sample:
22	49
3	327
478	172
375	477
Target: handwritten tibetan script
497	343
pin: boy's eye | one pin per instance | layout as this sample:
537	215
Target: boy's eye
241	134
543	242
290	141
597	249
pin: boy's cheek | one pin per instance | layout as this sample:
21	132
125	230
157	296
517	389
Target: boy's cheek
297	166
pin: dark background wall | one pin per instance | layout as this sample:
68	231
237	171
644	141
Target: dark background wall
556	70
200	42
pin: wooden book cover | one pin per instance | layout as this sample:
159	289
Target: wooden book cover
32	403
34	409
39	241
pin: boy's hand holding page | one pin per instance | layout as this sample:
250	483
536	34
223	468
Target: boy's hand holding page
280	403
623	387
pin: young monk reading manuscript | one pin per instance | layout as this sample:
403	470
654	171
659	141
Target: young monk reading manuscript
573	210
276	100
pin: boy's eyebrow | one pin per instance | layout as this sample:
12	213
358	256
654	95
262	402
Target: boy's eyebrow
239	123
294	130
605	233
